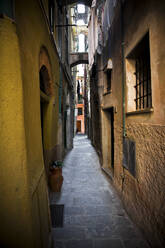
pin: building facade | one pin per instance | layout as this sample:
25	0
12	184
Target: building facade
78	57
127	69
80	124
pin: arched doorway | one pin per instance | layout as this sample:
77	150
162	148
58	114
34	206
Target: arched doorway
46	104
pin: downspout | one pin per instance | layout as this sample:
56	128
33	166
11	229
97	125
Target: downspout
123	69
123	84
60	90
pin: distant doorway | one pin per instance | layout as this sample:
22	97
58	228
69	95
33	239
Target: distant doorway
78	127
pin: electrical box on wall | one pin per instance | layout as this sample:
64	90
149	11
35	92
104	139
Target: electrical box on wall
129	155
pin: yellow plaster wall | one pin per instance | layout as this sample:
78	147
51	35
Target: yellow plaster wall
15	213
23	187
33	35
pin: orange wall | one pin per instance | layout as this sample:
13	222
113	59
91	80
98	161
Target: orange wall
81	117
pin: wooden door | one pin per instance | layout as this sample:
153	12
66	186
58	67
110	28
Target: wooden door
79	126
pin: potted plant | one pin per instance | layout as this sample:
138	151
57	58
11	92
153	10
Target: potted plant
55	177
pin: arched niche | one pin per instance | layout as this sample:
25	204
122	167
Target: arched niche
46	95
45	81
45	73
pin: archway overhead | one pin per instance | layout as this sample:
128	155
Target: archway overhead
68	2
79	62
78	58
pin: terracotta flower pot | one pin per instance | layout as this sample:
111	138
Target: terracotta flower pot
56	179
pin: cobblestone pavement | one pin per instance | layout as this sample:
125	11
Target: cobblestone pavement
93	214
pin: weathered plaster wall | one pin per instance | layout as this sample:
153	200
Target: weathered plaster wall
31	42
24	208
147	198
148	16
95	114
15	213
142	195
113	98
33	35
81	117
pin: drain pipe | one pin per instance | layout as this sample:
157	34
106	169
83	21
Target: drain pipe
123	84
60	89
123	69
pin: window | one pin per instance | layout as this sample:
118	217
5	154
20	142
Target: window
51	15
108	77
80	99
139	76
79	111
143	81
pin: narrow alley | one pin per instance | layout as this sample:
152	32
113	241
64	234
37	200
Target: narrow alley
82	124
93	214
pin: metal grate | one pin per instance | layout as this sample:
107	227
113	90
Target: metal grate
57	215
143	75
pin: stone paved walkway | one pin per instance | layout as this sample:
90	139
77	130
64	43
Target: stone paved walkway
94	216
